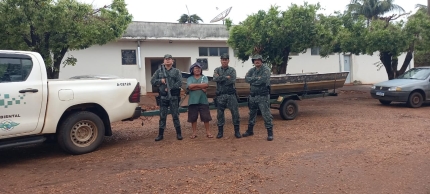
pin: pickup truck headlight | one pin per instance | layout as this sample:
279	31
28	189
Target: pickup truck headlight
395	89
373	87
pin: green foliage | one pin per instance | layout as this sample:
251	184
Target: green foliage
228	23
275	33
53	27
418	28
346	33
422	59
3	69
185	18
390	38
372	9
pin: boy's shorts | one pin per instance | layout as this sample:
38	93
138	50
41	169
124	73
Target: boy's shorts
195	109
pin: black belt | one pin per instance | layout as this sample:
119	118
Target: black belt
263	93
173	92
229	92
226	90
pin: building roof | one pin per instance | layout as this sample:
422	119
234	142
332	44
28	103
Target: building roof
138	30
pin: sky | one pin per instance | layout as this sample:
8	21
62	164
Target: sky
171	10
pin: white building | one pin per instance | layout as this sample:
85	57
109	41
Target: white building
141	49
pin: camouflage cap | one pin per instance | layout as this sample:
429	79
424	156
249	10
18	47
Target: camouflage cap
168	56
225	56
257	57
254	57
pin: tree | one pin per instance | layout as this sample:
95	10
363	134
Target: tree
185	18
424	7
372	9
422	58
53	27
228	23
385	36
275	33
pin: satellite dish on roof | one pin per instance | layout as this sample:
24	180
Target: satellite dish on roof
221	16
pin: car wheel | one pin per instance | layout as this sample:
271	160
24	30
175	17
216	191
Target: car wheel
415	100
385	102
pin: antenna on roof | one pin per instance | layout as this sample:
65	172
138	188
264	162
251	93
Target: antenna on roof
189	17
221	16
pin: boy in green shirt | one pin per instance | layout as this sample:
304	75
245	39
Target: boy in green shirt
198	102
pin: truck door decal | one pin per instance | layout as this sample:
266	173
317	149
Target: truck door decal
8	125
6	100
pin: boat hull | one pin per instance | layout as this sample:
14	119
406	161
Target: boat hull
284	84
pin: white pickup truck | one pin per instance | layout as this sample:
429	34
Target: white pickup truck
77	112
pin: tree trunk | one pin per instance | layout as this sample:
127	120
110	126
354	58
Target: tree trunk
54	71
385	58
405	65
391	64
275	68
428	7
394	63
282	68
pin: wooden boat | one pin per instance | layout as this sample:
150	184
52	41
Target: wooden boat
284	83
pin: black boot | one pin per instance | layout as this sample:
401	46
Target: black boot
160	134
249	132
220	131
178	133
269	134
236	131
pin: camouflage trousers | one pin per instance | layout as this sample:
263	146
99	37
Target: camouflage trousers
261	103
227	101
174	108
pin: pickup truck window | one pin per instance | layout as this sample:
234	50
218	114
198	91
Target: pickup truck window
15	69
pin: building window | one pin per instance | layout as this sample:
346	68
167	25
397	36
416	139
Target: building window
203	51
212	51
223	50
315	51
128	57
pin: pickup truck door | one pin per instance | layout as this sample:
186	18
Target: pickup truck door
21	95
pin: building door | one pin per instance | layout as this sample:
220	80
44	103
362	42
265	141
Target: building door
347	67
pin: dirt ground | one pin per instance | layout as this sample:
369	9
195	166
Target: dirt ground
344	144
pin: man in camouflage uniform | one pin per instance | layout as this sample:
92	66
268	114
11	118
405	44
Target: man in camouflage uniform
225	77
259	79
174	79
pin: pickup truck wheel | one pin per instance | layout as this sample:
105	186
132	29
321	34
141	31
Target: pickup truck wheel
415	100
385	102
81	132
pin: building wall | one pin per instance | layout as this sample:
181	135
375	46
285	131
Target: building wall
305	63
365	70
106	59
